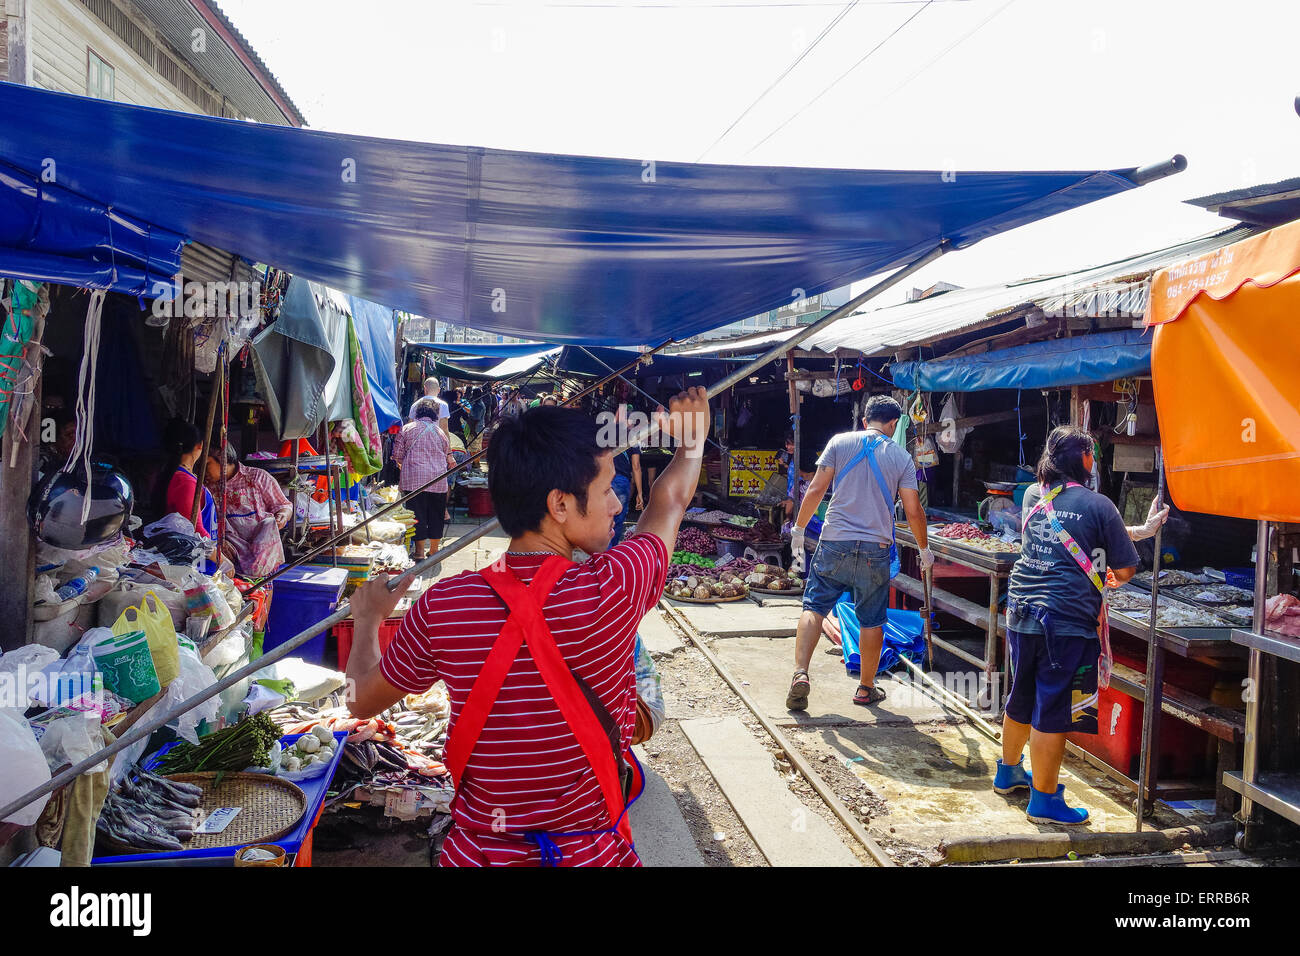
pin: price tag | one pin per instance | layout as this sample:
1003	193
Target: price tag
217	820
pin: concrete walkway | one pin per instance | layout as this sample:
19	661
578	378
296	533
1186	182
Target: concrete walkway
658	827
786	831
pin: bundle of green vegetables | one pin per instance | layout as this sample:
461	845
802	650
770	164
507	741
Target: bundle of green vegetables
690	557
246	744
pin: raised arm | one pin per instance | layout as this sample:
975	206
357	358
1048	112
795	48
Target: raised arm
687	420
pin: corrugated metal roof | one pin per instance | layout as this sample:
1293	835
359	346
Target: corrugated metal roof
218	64
1114	289
1269	204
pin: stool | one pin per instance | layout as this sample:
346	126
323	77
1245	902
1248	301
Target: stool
765	555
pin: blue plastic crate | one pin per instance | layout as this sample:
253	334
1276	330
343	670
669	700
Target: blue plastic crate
1240	578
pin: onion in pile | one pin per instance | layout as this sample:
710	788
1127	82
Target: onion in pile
696	540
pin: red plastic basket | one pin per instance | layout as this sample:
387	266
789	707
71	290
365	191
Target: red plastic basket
343	634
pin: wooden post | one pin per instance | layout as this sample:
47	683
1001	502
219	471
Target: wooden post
207	435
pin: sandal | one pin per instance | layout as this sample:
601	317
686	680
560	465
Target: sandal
866	696
797	699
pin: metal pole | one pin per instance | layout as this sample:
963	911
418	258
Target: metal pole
956	703
1254	671
1155	675
148	726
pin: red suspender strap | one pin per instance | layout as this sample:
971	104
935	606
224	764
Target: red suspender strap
524	604
483	695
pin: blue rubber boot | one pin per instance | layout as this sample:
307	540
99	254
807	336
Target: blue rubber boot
1011	777
1051	808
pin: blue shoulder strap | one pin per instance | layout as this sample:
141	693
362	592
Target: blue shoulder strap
867	451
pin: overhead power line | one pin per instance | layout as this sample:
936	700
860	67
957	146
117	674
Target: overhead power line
837	80
784	73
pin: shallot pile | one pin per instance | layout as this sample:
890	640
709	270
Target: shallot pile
696	540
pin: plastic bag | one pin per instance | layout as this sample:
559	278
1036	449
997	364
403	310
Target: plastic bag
71	739
24	767
160	631
23	663
194	676
312	681
228	650
951	437
128	593
126	661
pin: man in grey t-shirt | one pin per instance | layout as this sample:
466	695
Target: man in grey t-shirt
853	549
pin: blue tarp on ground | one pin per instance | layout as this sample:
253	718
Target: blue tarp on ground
377	333
1059	363
547	247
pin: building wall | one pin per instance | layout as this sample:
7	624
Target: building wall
60	32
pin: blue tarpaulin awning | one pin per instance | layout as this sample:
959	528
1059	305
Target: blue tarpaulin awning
1058	363
496	350
547	247
377	333
601	361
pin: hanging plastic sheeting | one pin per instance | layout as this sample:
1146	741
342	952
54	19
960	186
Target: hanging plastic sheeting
377	332
547	247
1226	387
49	233
1058	363
358	430
20	318
295	361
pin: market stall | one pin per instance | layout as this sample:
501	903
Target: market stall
1224	329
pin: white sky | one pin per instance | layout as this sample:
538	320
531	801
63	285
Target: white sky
967	84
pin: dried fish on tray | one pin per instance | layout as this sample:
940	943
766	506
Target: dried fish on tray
1171	614
1213	593
1172	578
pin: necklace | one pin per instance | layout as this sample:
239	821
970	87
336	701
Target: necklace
528	554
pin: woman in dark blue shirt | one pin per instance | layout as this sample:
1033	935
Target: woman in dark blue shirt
1071	537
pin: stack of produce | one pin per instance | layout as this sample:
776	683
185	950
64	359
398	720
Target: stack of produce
696	541
772	578
700	587
691	558
766	531
246	744
315	746
150	813
735	534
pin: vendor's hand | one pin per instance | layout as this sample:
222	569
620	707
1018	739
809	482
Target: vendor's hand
451	461
797	535
281	520
640	502
687	419
927	559
1156	516
374	602
1112	581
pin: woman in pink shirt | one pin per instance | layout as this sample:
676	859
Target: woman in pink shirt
423	452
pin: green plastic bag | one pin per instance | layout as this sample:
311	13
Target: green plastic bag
127	665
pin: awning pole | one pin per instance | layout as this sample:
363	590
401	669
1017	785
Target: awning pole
149	725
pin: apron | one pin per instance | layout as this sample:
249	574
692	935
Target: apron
613	764
1104	661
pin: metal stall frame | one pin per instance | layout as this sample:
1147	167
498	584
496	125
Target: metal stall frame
1277	792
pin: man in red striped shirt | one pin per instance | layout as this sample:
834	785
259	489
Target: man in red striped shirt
532	786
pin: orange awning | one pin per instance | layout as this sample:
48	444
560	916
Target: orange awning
1226	369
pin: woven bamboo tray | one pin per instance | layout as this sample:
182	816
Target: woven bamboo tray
718	600
269	809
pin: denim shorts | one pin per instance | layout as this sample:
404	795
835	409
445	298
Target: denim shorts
859	567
